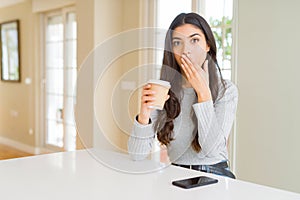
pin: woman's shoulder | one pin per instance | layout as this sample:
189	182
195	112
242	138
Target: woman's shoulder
229	85
228	89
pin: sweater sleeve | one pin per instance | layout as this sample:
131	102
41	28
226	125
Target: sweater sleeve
215	120
141	139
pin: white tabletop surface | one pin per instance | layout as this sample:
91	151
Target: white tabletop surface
86	174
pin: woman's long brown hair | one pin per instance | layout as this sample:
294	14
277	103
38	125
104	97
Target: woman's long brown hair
171	72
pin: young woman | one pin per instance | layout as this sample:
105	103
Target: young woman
200	108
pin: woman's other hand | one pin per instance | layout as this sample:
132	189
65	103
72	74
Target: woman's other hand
147	100
197	77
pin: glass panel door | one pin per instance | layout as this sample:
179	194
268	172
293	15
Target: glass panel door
54	81
70	80
60	76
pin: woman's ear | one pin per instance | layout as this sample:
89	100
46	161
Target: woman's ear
207	48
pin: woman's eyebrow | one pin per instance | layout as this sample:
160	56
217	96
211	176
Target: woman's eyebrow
176	38
192	35
195	35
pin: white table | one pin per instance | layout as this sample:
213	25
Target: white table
81	175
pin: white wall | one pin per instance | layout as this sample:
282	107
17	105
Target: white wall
268	80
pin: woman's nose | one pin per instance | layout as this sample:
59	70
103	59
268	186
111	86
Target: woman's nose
186	49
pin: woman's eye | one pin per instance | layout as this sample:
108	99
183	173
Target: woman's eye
176	43
195	40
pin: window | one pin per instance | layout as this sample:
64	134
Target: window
60	79
219	14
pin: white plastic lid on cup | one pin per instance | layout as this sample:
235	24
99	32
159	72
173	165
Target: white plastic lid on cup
160	82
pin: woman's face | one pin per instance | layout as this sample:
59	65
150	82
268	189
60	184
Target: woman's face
189	40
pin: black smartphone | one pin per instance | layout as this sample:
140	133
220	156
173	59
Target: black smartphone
194	182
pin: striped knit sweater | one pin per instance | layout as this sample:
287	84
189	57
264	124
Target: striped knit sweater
214	122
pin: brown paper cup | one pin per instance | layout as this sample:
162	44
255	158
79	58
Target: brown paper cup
161	89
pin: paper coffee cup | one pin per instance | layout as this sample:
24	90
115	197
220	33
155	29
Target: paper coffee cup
161	89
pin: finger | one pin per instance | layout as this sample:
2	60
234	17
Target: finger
148	92
148	99
185	71
186	67
191	70
183	64
147	87
191	64
187	60
147	102
188	63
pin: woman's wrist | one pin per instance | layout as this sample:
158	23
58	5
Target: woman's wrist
204	96
143	119
201	100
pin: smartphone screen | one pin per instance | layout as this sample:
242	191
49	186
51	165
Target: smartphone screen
194	182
